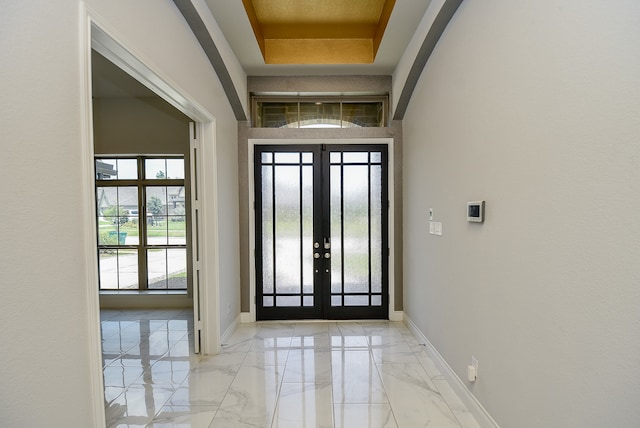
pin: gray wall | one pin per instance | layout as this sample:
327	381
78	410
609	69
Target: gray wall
138	126
533	107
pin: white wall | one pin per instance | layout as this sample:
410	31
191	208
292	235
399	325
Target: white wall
45	357
44	360
534	107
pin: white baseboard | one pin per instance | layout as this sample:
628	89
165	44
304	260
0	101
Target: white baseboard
396	316
246	318
229	331
483	418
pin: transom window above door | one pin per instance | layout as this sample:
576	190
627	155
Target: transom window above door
319	112
142	221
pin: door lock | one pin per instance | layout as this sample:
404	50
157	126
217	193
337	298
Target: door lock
316	255
327	255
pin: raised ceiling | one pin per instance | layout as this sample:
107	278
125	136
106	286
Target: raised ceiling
345	20
318	31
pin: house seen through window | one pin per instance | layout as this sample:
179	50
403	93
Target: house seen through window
141	207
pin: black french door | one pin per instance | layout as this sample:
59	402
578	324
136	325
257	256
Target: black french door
321	231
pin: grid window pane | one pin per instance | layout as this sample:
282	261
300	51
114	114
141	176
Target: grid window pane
167	268
156	230
175	169
155	169
116	169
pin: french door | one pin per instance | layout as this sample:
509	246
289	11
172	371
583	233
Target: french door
321	231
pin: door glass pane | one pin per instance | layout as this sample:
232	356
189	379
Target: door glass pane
336	228
356	300
267	158
287	157
287	301
307	229
287	233
267	230
355	157
376	229
356	224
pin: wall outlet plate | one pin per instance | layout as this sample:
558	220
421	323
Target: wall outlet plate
474	363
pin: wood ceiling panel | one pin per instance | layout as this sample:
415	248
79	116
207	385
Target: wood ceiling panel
318	31
318	11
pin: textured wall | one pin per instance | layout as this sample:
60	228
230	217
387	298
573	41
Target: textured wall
533	107
44	362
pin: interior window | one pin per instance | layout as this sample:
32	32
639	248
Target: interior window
141	207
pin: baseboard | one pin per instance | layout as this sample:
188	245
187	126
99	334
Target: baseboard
145	300
246	318
396	316
230	330
483	418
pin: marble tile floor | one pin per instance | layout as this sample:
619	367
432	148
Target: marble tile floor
272	375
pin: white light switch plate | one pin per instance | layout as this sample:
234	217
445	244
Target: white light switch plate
438	228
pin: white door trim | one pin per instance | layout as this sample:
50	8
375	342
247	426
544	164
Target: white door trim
251	315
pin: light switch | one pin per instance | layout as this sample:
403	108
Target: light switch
438	227
432	228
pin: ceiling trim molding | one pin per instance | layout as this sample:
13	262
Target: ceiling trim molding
436	30
203	36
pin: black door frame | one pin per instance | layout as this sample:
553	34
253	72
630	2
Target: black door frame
322	308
